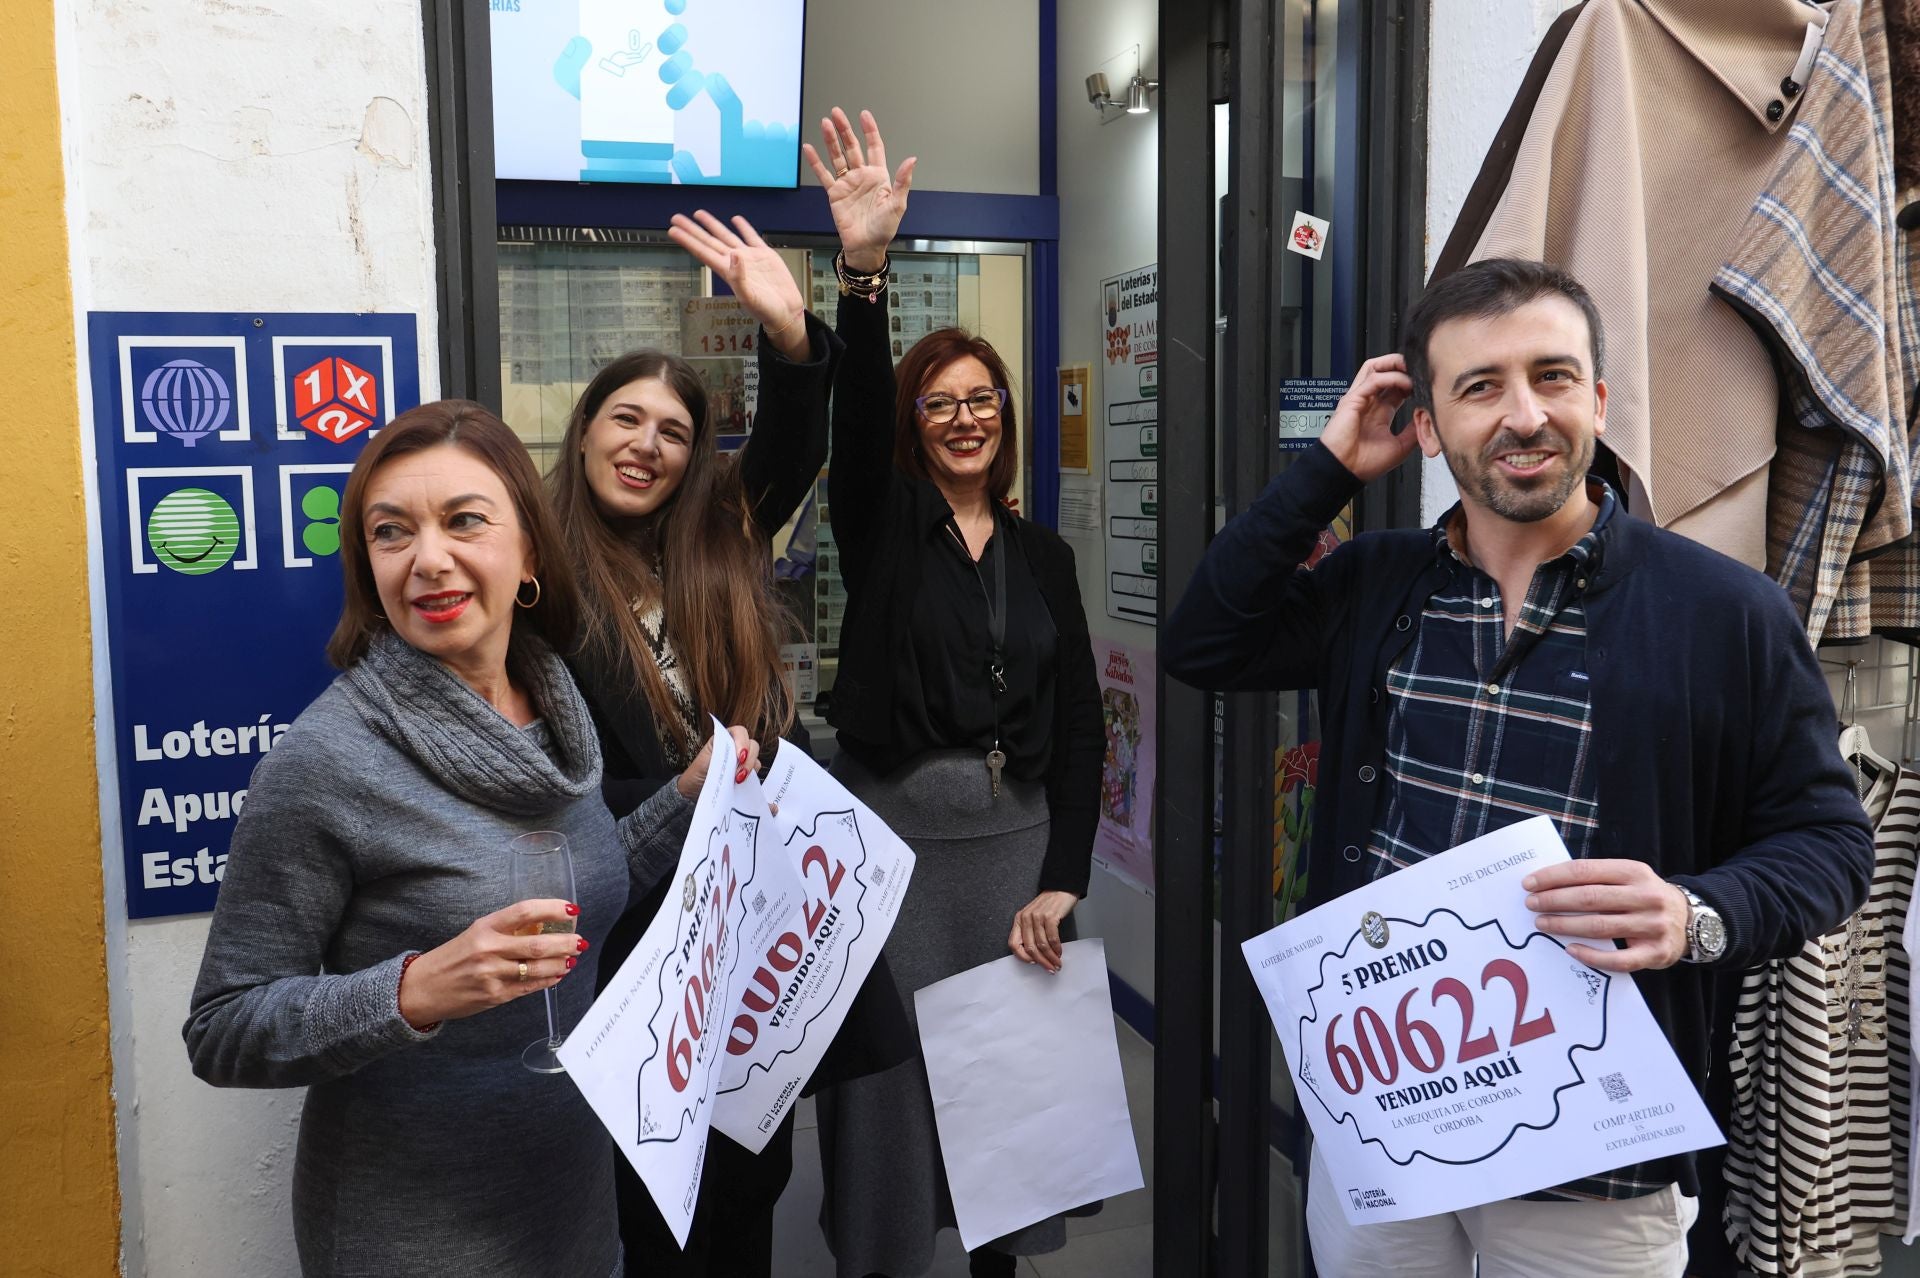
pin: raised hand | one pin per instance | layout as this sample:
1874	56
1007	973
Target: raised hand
1360	433
757	274
866	201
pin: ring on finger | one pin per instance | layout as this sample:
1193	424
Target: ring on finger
523	971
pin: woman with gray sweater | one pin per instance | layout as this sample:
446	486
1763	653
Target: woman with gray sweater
360	947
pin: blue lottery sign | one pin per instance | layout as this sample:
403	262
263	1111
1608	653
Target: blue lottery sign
224	443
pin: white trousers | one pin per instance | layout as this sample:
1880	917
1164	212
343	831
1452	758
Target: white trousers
1635	1238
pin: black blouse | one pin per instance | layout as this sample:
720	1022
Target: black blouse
916	620
944	697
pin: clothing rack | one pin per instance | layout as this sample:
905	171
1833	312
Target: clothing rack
1884	680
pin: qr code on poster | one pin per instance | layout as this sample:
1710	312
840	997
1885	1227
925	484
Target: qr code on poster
879	876
759	902
1615	1086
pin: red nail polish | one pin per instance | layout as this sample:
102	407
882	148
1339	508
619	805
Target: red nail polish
740	777
572	910
580	945
742	758
570	963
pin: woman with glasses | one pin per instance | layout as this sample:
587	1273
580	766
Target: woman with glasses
966	703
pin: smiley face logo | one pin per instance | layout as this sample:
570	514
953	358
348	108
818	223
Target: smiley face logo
193	531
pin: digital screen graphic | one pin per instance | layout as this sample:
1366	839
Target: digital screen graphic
700	92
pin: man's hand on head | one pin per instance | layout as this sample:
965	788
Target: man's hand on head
1360	432
1607	900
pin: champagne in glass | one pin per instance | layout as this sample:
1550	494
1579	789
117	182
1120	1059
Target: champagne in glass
543	870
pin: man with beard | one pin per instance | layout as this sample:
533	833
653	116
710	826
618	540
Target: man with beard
1539	651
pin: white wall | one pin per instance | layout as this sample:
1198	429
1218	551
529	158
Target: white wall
1477	55
1109	195
957	86
227	157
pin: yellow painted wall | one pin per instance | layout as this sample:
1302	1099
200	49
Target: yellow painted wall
60	1213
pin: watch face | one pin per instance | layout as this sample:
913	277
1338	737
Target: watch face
1710	934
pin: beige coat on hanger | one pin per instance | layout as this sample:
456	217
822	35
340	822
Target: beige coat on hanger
1656	127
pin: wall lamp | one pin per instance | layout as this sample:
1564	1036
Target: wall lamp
1135	103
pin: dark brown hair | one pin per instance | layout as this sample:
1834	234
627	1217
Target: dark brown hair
928	358
1486	289
463	424
715	579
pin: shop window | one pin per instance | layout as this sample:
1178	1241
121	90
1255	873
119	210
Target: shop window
572	300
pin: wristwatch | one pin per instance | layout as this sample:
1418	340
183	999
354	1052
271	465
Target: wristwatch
1706	931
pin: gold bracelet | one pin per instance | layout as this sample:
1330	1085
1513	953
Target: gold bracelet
775	333
861	284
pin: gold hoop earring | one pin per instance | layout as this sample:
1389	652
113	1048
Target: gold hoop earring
528	603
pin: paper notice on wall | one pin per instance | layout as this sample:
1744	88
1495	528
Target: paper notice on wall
853	875
802	663
649	1053
716	326
1129	391
1123	840
1076	442
1079	507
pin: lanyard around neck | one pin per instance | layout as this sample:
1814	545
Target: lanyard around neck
996	601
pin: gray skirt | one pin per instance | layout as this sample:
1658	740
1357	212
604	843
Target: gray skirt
977	863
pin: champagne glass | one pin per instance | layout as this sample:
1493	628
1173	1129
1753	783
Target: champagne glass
543	870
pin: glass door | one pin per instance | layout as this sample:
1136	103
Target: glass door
1316	208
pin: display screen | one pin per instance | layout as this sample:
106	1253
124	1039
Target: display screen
692	91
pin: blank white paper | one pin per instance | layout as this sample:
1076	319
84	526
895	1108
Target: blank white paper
1027	1090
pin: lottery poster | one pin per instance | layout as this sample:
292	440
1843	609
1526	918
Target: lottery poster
853	873
649	1053
722	1012
1433	1031
1123	840
1130	409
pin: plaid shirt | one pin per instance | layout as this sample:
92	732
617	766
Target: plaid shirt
1488	729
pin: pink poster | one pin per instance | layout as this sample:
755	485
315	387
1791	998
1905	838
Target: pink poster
1123	845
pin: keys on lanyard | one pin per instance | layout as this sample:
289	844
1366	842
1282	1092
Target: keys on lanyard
996	757
997	631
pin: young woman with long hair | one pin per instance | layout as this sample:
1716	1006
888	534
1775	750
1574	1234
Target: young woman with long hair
966	702
671	542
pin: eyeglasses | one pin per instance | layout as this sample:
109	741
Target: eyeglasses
985	405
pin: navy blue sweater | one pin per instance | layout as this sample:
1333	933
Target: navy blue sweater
1713	732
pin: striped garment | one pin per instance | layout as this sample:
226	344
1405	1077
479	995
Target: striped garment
1817	272
1487	729
1817	1147
653	627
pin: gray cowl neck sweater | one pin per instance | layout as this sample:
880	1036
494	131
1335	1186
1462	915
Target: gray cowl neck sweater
423	708
379	827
